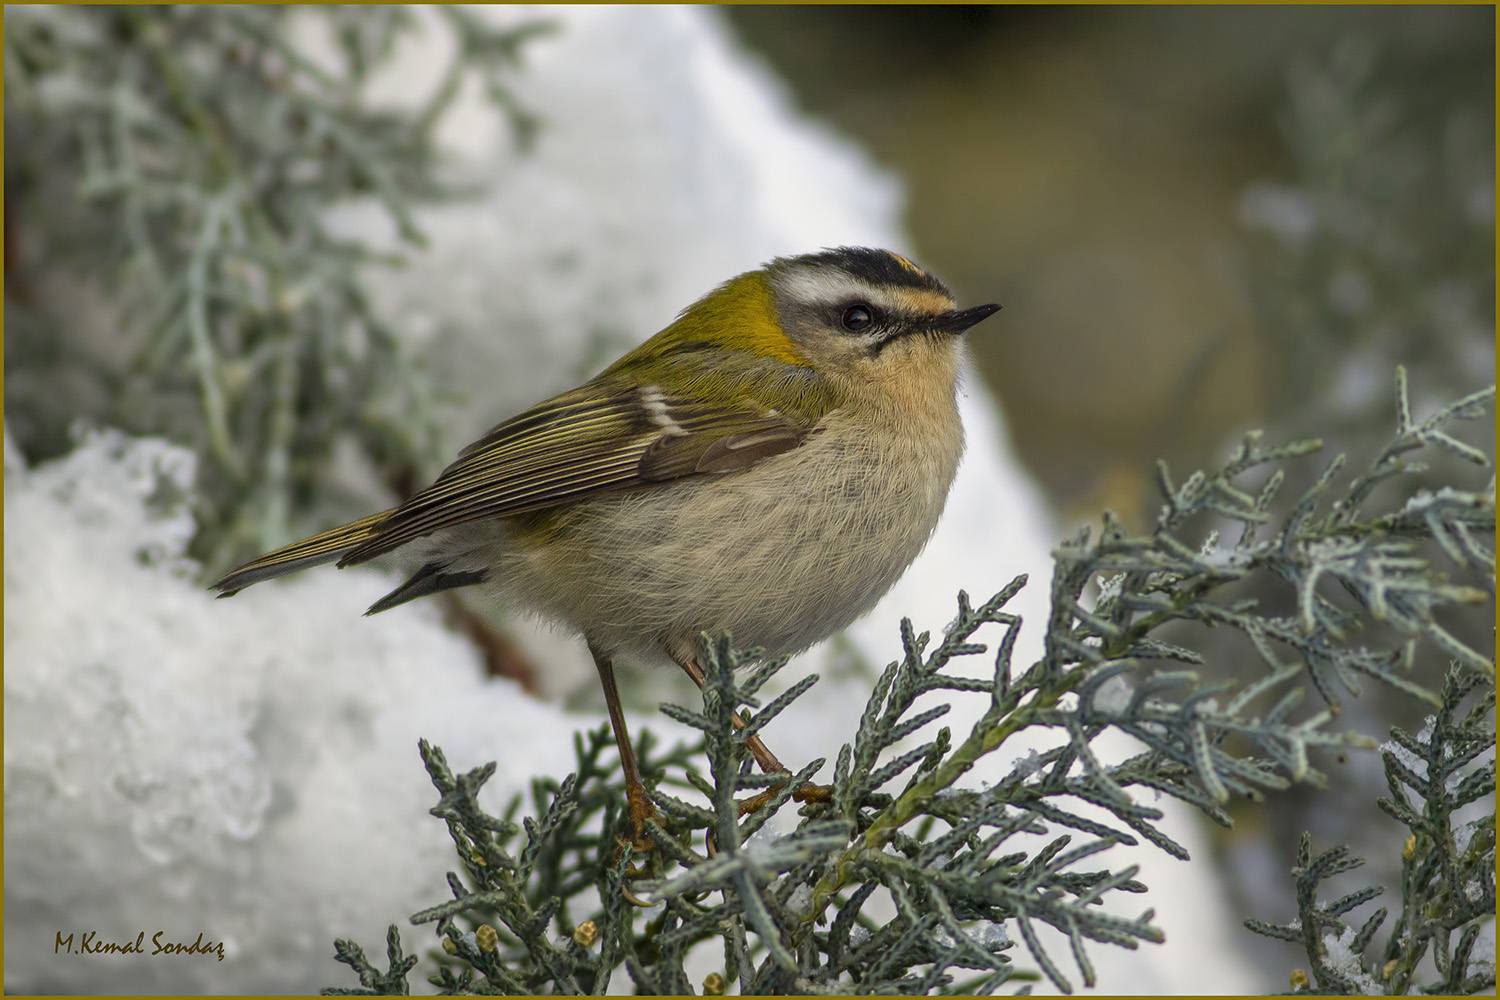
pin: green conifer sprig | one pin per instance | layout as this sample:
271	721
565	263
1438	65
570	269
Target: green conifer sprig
1447	866
905	877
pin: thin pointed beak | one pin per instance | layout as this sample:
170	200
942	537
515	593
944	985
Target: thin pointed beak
961	320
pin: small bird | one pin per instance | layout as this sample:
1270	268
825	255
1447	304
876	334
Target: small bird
768	465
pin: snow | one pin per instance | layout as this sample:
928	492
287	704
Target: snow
239	770
1342	959
988	935
247	769
1113	696
1416	765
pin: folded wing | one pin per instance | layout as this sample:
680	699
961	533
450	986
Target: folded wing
580	445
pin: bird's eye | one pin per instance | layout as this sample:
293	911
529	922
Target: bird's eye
857	317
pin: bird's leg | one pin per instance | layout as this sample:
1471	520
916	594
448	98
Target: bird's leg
762	754
639	801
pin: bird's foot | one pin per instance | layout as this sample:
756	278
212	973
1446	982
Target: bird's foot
637	841
808	792
639	812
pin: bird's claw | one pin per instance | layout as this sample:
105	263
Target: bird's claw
633	899
642	812
808	792
636	840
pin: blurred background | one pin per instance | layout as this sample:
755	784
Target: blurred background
1110	175
1199	220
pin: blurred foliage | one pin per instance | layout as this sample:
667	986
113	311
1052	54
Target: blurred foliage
1378	251
185	158
903	880
1083	166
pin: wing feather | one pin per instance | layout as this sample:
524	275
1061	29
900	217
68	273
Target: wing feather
580	445
314	551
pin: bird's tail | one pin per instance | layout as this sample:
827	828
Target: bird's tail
314	551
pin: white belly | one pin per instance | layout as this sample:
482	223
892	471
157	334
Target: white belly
781	555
